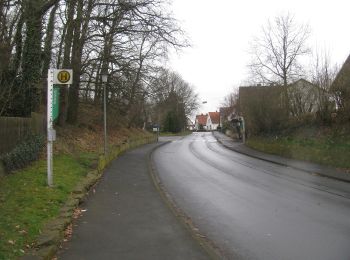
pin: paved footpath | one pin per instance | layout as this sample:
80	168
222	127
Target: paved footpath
126	218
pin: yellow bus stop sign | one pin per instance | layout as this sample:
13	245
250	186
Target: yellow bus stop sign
63	76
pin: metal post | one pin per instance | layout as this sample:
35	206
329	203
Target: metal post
105	119
49	128
243	130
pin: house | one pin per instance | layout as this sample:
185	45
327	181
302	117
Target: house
341	88
303	97
267	107
213	121
200	122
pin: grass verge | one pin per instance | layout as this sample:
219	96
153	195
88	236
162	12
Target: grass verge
326	150
27	203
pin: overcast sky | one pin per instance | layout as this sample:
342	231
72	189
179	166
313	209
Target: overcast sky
220	32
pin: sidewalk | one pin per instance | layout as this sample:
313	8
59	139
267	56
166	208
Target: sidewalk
126	218
322	170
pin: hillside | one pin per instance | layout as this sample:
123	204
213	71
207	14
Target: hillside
323	145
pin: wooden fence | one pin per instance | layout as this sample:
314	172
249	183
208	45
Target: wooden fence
14	129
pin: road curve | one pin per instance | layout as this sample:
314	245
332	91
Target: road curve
252	209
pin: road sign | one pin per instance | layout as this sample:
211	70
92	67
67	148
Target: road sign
63	76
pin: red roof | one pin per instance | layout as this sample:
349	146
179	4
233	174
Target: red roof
214	117
202	119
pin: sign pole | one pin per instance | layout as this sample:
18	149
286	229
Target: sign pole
49	127
243	129
105	119
54	76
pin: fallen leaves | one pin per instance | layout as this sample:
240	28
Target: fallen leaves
77	213
23	232
68	232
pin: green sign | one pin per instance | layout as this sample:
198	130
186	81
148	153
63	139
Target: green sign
55	102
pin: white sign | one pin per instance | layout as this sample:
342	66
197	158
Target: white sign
50	81
62	76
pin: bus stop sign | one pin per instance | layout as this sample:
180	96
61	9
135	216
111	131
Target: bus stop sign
63	76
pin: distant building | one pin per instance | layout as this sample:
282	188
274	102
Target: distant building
303	97
265	107
200	122
213	121
341	88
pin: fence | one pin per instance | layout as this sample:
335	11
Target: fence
14	129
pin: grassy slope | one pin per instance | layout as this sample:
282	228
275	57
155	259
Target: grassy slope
26	203
323	146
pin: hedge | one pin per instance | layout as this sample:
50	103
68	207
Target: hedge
24	153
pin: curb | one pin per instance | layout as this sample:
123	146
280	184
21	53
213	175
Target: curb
209	247
343	179
48	242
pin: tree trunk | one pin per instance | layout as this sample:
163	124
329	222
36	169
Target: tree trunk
66	64
31	59
18	41
47	49
80	32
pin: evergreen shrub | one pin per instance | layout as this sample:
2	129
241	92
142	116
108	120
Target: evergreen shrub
24	153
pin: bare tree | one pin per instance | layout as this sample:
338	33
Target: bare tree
340	87
323	74
174	99
129	39
123	37
276	52
231	100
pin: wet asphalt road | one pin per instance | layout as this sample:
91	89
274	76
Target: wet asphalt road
253	209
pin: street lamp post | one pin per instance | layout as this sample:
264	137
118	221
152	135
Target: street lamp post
104	78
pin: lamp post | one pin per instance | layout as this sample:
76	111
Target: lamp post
104	78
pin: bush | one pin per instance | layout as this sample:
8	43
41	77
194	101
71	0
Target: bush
24	153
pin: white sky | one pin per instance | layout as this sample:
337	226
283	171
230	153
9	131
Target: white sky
220	32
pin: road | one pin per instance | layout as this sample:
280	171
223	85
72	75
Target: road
252	209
